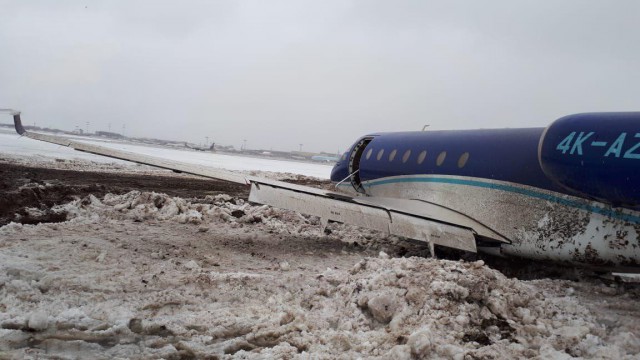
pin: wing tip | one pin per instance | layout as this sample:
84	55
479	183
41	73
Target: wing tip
17	122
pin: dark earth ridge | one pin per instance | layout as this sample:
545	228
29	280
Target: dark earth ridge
23	187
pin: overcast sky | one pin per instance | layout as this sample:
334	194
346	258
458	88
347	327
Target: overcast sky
320	73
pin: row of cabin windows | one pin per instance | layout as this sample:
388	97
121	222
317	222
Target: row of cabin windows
462	160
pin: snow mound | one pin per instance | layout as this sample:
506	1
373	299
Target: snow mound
146	206
428	308
233	291
152	207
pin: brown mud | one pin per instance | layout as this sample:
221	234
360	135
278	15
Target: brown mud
23	187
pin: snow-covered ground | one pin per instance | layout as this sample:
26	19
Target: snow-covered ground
13	144
145	275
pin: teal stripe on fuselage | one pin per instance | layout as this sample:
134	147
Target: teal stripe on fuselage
510	188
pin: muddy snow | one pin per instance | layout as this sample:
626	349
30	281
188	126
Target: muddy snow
143	274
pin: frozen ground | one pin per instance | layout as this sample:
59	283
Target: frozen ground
147	275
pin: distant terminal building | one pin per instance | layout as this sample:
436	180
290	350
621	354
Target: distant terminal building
107	134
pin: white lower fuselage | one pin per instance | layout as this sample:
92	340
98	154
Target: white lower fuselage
540	224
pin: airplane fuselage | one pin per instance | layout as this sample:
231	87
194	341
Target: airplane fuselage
569	192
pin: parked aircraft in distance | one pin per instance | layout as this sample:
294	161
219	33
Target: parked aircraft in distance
325	158
568	193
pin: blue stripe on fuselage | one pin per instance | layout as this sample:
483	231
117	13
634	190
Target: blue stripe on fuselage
582	205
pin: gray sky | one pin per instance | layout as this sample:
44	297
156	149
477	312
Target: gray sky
321	73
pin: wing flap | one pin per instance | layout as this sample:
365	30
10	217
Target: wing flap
433	232
315	203
369	215
436	212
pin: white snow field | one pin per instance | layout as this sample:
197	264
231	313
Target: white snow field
12	144
144	275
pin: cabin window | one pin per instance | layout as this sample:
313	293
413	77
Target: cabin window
422	156
406	155
441	158
369	154
393	154
462	161
380	153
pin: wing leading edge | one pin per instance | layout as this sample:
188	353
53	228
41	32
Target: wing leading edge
129	156
413	219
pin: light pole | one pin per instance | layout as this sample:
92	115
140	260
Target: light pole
244	144
300	147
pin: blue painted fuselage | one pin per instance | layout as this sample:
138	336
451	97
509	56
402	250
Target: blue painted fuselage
500	154
566	192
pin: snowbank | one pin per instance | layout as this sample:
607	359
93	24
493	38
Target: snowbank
145	275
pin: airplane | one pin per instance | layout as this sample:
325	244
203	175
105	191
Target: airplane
568	193
325	158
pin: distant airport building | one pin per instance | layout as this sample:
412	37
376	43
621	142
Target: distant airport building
108	134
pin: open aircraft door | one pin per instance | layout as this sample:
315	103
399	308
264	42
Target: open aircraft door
354	163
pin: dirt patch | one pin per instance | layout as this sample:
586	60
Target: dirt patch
24	188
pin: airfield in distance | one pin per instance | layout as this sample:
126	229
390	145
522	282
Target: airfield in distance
101	258
114	138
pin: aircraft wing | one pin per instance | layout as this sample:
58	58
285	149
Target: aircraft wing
415	219
130	156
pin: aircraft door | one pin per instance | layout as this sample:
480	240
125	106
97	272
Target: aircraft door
354	163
